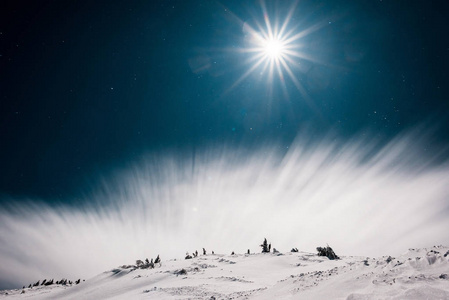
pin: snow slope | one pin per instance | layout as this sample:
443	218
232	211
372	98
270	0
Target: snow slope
417	274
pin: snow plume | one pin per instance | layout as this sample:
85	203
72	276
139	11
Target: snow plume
361	196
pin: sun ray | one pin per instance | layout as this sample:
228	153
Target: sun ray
287	19
304	33
262	35
281	77
301	89
267	19
245	75
302	55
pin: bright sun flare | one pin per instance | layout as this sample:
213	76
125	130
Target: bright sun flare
274	49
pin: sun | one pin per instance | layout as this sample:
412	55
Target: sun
274	49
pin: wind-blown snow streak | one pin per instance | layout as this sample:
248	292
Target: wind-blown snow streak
361	198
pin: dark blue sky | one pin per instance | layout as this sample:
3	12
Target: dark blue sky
87	86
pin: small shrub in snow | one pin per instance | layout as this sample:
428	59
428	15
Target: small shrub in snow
128	266
265	247
139	263
328	252
49	282
157	260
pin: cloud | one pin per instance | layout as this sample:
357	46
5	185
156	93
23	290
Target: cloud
362	196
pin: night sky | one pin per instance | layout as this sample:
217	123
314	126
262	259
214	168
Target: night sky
89	86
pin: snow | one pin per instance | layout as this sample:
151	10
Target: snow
417	274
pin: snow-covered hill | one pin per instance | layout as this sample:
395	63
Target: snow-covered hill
417	274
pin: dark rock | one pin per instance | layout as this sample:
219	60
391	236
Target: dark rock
181	272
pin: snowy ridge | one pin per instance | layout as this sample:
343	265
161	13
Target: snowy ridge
417	274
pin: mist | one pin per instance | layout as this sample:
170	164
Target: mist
363	197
